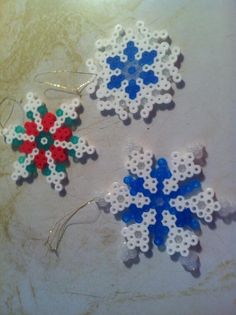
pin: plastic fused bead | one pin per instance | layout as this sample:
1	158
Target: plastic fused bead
47	141
162	201
135	68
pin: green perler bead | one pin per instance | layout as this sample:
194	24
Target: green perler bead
69	121
19	129
21	159
31	168
42	109
46	171
60	168
59	112
49	142
16	143
29	114
71	152
74	139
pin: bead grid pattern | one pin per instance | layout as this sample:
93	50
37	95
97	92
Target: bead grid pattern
47	141
162	202
135	68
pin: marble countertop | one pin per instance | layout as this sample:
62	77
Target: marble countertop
88	278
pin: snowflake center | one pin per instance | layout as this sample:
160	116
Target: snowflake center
131	70
44	140
159	201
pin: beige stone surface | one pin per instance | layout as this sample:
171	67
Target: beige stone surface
87	278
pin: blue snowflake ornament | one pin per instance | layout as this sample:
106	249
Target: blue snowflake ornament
162	202
135	69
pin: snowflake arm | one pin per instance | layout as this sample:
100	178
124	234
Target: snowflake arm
178	240
120	198
24	167
140	164
137	234
182	167
203	204
46	140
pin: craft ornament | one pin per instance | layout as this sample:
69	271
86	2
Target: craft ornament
135	69
162	202
47	141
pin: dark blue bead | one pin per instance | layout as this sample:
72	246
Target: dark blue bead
115	63
162	162
115	81
130	51
148	57
128	180
160	202
132	89
148	77
126	216
131	70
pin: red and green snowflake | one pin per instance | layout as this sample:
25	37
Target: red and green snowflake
46	141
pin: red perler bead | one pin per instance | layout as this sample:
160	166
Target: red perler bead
31	128
62	134
48	121
40	159
27	147
58	153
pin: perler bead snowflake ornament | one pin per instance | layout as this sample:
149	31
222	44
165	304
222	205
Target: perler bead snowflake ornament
135	69
47	141
162	202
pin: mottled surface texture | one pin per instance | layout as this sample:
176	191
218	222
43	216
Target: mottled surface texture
87	278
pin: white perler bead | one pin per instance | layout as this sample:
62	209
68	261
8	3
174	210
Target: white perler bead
11	133
182	167
203	204
69	111
173	233
178	240
120	198
140	164
20	168
137	235
55	177
80	148
135	69
33	103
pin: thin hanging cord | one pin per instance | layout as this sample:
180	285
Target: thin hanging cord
57	232
14	102
65	88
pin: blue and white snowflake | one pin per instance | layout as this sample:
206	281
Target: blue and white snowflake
162	203
135	69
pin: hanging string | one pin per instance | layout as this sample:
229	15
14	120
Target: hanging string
14	102
64	88
57	232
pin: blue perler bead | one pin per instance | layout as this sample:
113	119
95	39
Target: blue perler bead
133	65
161	202
131	70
